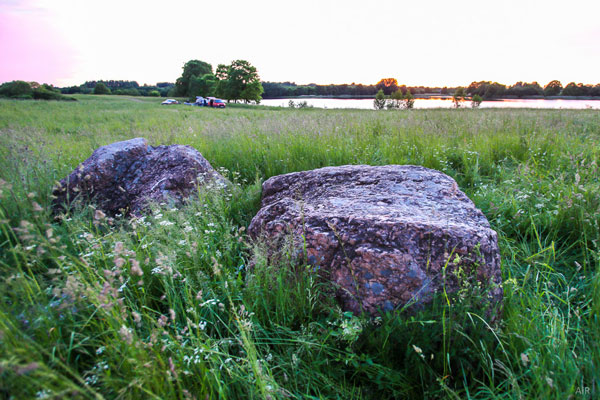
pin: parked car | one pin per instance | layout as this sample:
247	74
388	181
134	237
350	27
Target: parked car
169	101
214	102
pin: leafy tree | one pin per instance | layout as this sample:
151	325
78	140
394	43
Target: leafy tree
238	81
388	85
154	93
553	88
222	88
409	101
192	68
202	86
101	88
595	91
476	101
459	97
252	92
379	102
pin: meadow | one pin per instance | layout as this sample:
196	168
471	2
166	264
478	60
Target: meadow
165	306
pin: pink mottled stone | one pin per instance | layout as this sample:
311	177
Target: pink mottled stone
381	234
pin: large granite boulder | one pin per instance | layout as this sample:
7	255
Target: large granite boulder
383	235
124	177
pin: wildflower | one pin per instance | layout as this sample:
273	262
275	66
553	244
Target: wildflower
126	334
211	302
199	295
119	262
100	350
188	229
418	350
162	321
172	368
43	394
524	359
137	318
135	267
37	207
49	233
124	285
99	215
118	248
166	223
172	314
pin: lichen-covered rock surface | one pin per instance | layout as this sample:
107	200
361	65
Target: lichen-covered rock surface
124	177
382	234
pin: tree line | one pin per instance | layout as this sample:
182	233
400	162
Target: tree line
120	87
240	81
490	90
484	89
388	85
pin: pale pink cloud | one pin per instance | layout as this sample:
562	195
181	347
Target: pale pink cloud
31	49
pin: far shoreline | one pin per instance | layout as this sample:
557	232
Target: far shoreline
437	97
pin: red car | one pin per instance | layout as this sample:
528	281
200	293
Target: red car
214	102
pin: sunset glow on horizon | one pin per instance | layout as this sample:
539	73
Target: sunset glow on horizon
431	43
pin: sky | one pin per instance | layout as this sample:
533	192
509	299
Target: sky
425	42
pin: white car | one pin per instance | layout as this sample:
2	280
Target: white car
169	101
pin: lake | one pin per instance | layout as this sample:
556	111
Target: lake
440	103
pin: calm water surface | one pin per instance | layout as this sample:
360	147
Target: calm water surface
440	103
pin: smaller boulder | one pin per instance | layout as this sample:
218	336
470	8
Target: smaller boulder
123	177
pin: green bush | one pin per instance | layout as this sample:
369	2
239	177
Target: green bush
16	89
409	101
476	101
101	88
24	90
379	102
46	92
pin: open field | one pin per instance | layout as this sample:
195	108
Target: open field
196	324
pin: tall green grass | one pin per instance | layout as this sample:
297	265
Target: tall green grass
166	306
